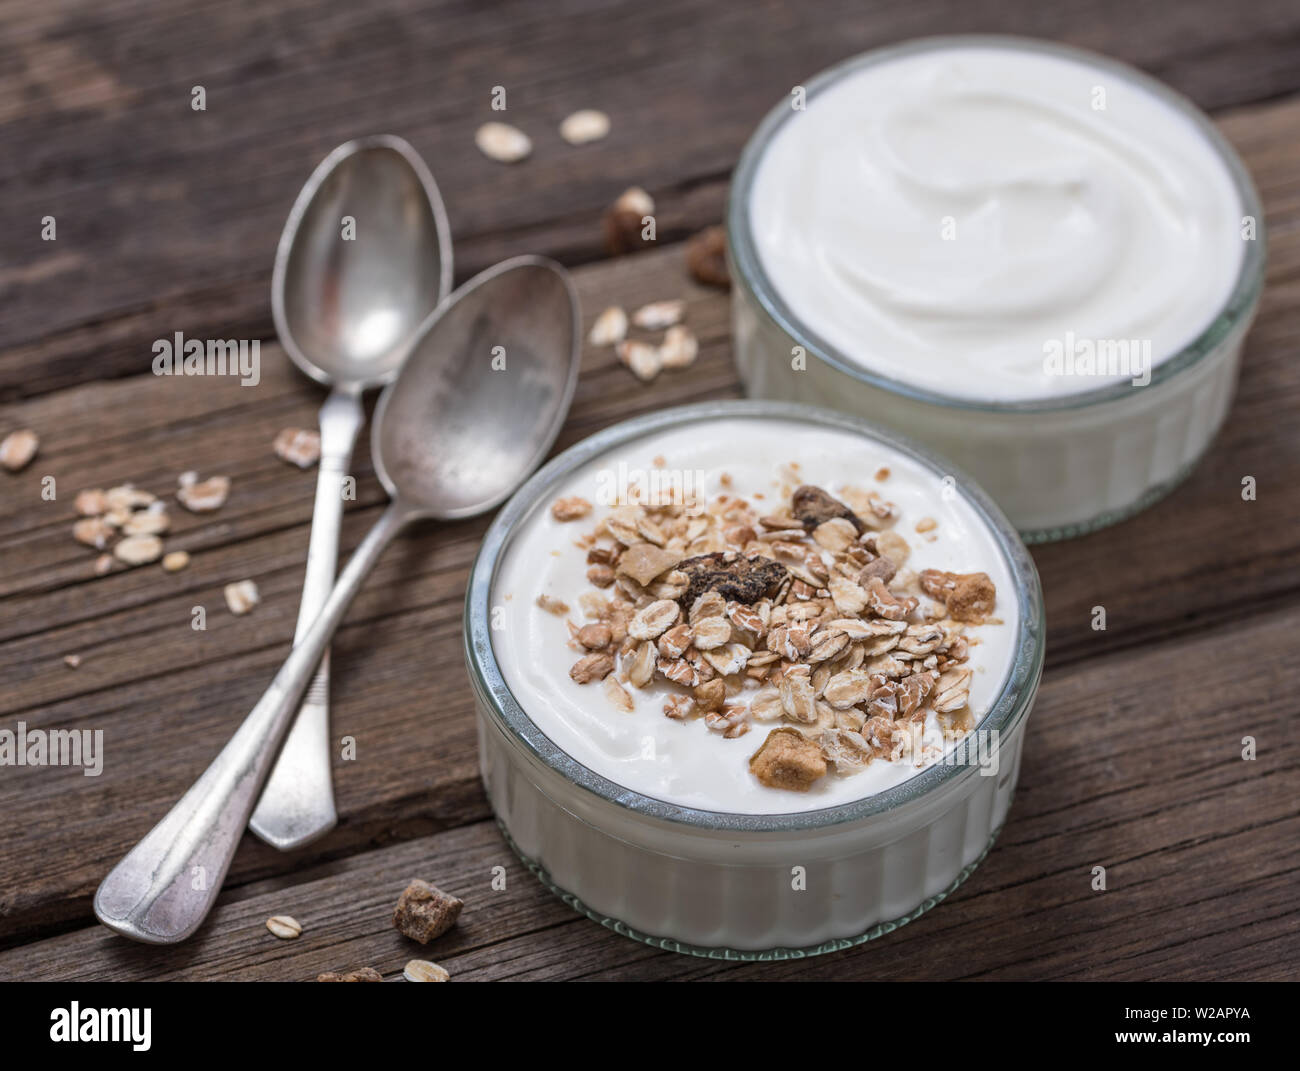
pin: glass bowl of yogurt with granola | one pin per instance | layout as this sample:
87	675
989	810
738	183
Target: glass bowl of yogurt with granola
751	678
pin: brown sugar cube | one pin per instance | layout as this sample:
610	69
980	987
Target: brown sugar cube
424	912
788	760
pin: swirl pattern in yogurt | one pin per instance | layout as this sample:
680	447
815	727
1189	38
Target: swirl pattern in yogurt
968	219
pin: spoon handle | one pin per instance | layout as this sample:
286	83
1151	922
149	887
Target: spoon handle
297	804
165	886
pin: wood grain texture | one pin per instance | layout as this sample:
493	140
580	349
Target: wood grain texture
1201	850
167	221
168	217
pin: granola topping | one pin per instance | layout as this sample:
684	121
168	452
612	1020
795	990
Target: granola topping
786	588
813	633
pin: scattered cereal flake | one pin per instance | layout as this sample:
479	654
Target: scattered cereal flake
146	522
610	327
584	126
882	473
592	667
571	508
298	446
926	524
679	348
91	503
103	564
552	606
424	911
617	694
241	596
659	314
653	620
893	546
421	970
138	549
18	448
285	927
594	637
93	532
72	661
127	497
645	561
175	561
204	496
502	142
643	359
188	478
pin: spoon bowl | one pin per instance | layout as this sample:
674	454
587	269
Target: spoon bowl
483	393
365	254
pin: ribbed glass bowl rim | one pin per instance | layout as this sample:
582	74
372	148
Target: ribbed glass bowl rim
748	270
1006	713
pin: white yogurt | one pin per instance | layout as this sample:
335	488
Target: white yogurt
973	219
682	762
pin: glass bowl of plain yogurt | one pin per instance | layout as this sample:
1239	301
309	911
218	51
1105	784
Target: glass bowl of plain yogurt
1031	258
751	678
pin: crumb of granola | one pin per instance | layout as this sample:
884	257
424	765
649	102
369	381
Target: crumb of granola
424	911
882	473
788	759
926	524
72	661
706	257
625	222
572	508
552	606
811	506
595	637
968	596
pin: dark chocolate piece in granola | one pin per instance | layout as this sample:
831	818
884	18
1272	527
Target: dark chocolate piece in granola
813	506
733	576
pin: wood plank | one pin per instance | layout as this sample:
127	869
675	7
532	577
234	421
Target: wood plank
1202	852
167	217
167	696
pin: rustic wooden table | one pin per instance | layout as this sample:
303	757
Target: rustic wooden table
167	220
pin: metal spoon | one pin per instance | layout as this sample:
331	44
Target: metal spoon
473	411
365	256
